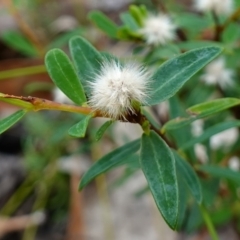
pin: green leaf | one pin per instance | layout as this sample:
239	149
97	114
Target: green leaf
190	177
129	21
212	107
104	23
221	172
102	129
125	33
79	129
177	123
210	132
64	76
86	59
150	117
17	41
138	13
231	34
201	110
183	202
171	75
7	122
109	161
158	165
183	134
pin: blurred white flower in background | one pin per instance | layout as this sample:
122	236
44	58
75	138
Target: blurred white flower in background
201	153
197	127
163	110
217	74
38	217
60	97
158	29
64	23
116	86
199	149
220	7
224	139
234	163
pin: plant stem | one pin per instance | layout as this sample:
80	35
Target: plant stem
218	27
37	104
208	222
25	28
232	18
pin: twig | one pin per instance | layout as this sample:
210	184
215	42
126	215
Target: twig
218	27
25	28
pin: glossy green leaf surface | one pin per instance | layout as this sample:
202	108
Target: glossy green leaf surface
221	172
86	59
190	177
104	23
177	123
79	129
212	107
109	161
102	130
171	75
9	121
63	74
158	165
210	132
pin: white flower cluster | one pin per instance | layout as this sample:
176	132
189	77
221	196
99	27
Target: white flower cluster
116	86
217	74
59	96
234	163
199	149
224	139
220	7
158	29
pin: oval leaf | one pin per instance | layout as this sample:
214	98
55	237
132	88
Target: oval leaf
171	76
109	161
79	129
11	120
63	74
190	177
86	59
158	165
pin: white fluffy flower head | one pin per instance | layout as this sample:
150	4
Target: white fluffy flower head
217	74
158	29
116	86
220	7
